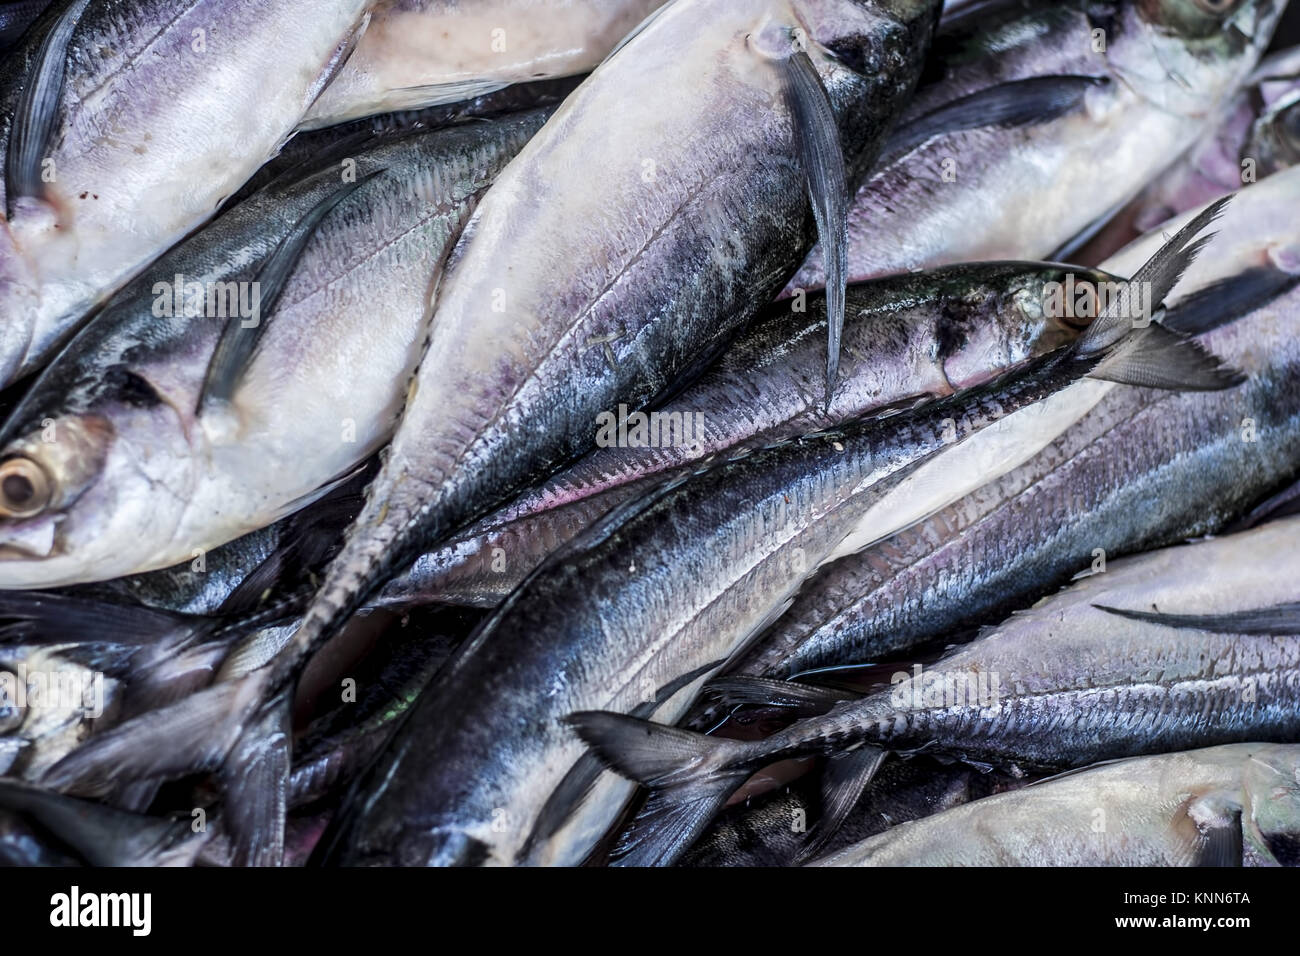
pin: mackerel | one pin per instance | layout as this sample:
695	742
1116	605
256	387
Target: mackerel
1145	658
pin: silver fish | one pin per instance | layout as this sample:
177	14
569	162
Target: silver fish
162	430
691	571
1103	486
957	327
1233	805
419	53
562	255
1028	134
1144	658
143	113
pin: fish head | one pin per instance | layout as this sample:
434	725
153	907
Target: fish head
48	703
89	490
1188	56
1272	785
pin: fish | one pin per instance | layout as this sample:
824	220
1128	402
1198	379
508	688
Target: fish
685	260
111	113
1235	805
1144	658
162	430
421	53
1100	490
1023	136
905	338
660	591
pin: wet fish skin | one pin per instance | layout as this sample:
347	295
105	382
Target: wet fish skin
905	338
181	138
126	389
730	544
16	17
1024	191
1019	537
1221	806
420	53
1066	683
514	405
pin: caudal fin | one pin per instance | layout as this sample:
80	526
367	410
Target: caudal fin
1130	348
690	777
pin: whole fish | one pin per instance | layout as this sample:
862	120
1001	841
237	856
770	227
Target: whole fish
692	570
418	53
1233	805
770	112
163	429
1145	658
1103	488
1037	119
125	124
905	338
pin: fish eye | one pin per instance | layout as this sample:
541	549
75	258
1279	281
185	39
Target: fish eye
11	714
24	488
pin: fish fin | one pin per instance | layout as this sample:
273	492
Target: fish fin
1281	505
254	784
636	31
103	835
191	735
37	109
1154	357
690	777
817	142
1028	102
1207	831
49	617
1280	620
1228	299
238	342
844	778
444	94
1157	276
807	699
337	60
317	493
577	783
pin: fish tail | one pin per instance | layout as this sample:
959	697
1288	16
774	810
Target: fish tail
1132	348
690	777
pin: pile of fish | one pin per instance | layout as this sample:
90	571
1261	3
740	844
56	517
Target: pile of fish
627	432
